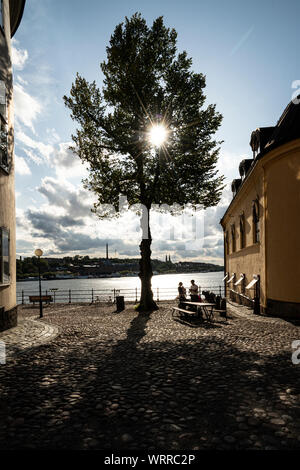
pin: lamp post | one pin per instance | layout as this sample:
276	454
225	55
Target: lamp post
39	253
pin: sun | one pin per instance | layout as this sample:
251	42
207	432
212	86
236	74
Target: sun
158	135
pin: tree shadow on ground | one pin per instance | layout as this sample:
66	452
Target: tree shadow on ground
196	323
141	393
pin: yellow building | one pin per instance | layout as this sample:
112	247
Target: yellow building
262	223
10	16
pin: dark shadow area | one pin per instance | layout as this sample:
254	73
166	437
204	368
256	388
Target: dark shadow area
141	393
197	323
294	322
137	330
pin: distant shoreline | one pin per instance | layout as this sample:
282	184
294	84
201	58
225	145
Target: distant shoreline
112	277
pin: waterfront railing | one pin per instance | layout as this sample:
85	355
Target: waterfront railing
107	295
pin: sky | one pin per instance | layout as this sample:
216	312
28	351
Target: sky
248	52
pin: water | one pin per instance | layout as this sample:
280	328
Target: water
164	286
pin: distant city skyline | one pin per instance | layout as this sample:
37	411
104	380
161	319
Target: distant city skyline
251	72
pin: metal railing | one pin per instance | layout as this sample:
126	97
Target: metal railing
246	300
106	295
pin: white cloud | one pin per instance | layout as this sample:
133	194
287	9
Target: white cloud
21	80
33	157
228	164
67	162
21	167
66	224
53	136
45	150
55	154
19	56
27	108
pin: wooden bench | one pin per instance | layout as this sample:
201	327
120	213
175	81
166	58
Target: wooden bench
222	313
44	298
182	312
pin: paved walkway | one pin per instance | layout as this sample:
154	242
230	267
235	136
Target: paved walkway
28	334
246	312
85	377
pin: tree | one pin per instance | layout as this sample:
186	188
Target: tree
145	83
67	260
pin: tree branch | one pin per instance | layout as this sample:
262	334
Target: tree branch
101	124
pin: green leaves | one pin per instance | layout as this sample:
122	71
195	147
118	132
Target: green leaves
146	81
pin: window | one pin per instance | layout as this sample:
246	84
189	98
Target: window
3	111
255	222
233	238
4	157
1	15
242	232
4	256
227	243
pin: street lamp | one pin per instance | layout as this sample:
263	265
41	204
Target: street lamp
39	253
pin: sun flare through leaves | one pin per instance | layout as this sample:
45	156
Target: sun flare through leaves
158	135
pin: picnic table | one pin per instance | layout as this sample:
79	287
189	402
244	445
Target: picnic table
201	308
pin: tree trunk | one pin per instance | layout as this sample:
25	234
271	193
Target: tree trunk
146	301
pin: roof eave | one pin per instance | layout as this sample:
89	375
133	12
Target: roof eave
16	10
258	157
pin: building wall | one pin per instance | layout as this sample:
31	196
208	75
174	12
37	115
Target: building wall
275	179
282	173
7	189
250	259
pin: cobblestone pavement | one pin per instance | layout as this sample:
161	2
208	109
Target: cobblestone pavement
105	380
28	334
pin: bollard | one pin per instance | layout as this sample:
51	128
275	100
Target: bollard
120	303
223	307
